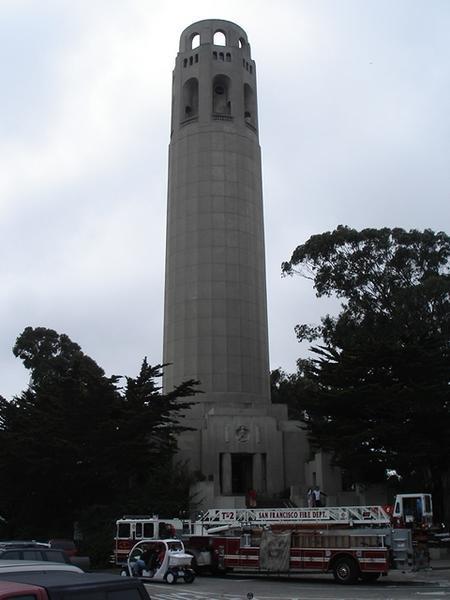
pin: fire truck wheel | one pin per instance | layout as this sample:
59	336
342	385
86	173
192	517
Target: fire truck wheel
346	570
170	577
189	576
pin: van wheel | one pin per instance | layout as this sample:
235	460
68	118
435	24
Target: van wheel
170	577
346	571
189	576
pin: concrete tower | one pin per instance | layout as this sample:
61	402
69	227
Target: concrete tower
215	321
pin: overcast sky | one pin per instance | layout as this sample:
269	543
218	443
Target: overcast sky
354	111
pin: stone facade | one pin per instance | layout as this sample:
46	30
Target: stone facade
215	316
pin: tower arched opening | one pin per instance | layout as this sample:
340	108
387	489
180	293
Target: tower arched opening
190	99
195	41
221	95
219	38
249	104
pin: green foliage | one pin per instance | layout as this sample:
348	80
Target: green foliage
289	389
377	385
75	440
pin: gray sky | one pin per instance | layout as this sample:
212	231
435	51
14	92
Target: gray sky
354	104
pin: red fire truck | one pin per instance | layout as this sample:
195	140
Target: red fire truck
358	542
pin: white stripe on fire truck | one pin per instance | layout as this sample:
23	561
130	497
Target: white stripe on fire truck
300	559
372	560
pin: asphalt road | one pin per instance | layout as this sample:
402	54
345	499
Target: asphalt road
302	588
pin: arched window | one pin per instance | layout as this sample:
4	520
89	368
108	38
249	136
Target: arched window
195	41
221	57
215	55
190	99
249	105
241	43
228	57
221	95
219	39
185	62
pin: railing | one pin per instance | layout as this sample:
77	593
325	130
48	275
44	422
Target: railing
221	117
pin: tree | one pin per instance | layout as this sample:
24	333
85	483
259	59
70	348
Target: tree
75	440
378	383
289	389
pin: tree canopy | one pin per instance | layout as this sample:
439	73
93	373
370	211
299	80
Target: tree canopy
76	440
376	389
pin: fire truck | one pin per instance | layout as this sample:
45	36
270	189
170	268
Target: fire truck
354	543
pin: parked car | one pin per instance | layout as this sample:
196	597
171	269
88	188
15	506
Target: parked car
67	586
44	551
22	566
23	544
34	553
67	554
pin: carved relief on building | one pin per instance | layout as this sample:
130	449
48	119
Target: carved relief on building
242	433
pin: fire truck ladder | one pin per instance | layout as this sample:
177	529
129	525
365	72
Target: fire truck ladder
337	515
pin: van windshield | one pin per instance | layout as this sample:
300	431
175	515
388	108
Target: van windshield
176	546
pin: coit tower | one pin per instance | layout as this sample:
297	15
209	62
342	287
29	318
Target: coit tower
215	315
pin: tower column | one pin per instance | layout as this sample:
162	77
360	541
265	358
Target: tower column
215	314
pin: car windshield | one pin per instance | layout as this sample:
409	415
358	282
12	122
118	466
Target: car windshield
176	546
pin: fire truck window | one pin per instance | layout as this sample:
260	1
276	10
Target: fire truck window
165	530
148	530
138	530
123	530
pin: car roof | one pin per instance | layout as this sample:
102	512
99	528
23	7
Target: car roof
44	549
11	566
59	579
23	544
16	586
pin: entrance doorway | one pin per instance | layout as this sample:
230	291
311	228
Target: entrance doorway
241	473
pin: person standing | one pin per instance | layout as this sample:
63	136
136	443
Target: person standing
318	496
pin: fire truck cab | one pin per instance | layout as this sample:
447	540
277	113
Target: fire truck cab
413	510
